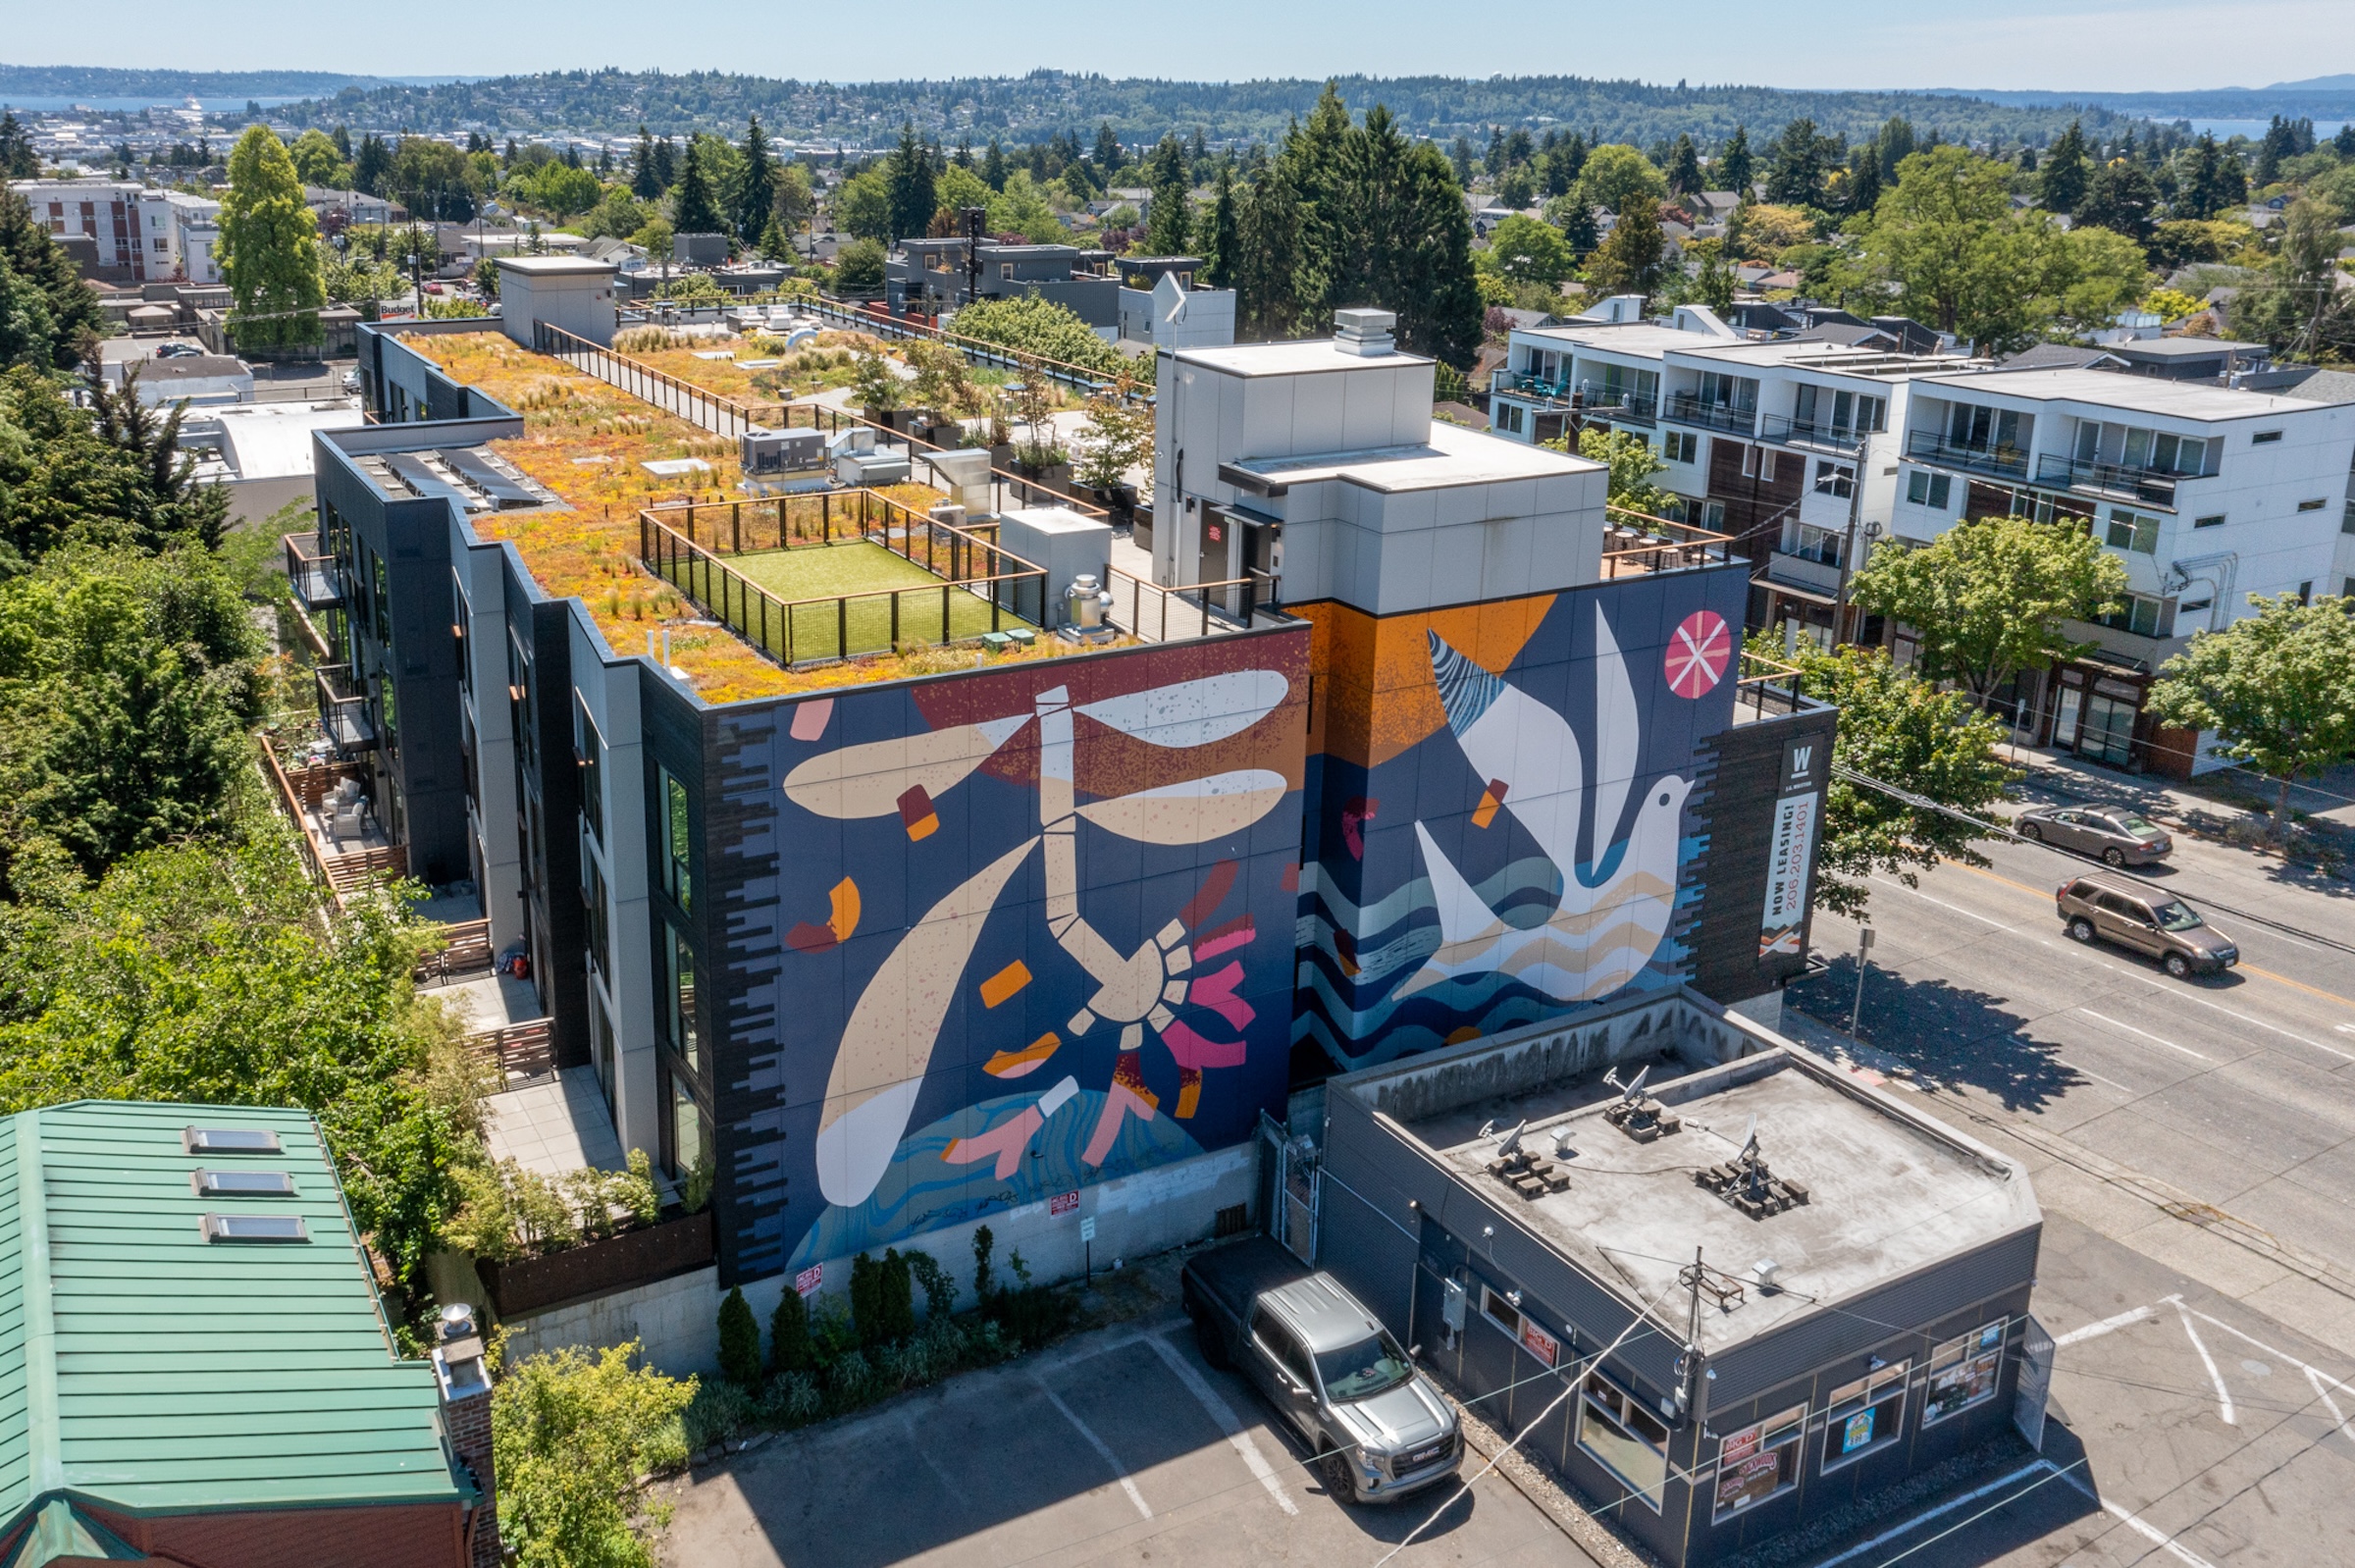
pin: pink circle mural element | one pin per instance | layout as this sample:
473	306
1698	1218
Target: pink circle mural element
1698	652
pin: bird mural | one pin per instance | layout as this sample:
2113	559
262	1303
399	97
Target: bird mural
1603	931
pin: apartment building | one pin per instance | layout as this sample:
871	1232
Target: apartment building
896	934
1150	301
1786	444
2206	493
142	233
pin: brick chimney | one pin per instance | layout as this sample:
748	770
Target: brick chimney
466	1416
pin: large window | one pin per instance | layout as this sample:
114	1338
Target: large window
1977	427
592	895
690	1135
2142	615
1758	1462
678	840
678	962
589	750
1964	1372
1681	446
1934	491
2134	531
1632	1442
1835	479
1864	1414
1840	413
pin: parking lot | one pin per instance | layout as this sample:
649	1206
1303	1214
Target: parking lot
1118	1446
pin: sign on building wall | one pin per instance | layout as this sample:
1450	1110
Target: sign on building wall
1030	930
1791	855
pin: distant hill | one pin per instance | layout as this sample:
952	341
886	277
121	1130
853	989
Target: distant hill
1033	107
2316	98
18	82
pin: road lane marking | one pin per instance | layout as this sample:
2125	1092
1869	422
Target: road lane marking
2315	1378
2156	1537
2279	1355
2094	1331
1097	1443
2147	1034
1220	1412
1971	914
2084	1072
2224	1396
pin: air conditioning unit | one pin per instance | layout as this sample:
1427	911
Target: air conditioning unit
768	452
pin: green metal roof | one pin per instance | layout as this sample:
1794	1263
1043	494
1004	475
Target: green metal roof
151	1371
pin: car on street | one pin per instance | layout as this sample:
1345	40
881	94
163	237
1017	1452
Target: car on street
351	381
2107	833
1377	1426
178	350
2145	920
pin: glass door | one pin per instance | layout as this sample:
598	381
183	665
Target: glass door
2109	730
2064	717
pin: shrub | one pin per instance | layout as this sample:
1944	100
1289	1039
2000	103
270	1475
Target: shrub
720	1410
739	1340
573	1433
866	1304
896	1297
789	1344
850	1377
985	1283
940	1289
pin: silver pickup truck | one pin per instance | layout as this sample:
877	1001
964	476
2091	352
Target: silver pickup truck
1377	1426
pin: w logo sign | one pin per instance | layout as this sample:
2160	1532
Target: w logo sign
1802	769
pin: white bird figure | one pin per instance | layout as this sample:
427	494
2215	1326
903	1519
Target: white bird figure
1600	935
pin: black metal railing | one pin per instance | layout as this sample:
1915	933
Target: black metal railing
1684	408
344	710
316	579
2147	485
1785	431
2001	462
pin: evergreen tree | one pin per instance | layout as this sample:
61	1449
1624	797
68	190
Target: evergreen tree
963	157
1795	175
1495	161
49	318
789	1344
342	140
774	245
1168	221
17	161
1267	273
268	250
1897	143
739	1340
1461	157
993	165
1864	179
1734	163
757	186
1108	150
1684	168
2202	191
2067	172
371	164
693	206
1629	261
2345	142
2121	199
1222	244
667	165
907	179
1577	221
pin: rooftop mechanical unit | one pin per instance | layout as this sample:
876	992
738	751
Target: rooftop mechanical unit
769	454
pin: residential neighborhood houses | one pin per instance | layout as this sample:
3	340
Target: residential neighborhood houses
642	722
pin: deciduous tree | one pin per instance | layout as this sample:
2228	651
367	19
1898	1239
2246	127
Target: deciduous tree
573	1431
267	247
2277	688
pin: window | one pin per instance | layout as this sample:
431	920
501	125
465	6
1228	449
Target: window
1681	446
1835	479
255	1228
678	841
1964	1372
678	960
2264	438
2346	520
2314	505
228	1140
243	1183
1826	412
592	895
1758	1462
2133	531
589	752
1512	418
690	1142
1720	391
1864	1414
1006	270
2306	592
2215	521
2142	615
1933	491
1277	1340
1632	1442
1979	429
1766	457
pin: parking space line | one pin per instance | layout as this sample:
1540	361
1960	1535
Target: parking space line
2155	1536
2147	1034
2094	1331
2224	1396
2315	1378
1220	1412
2279	1355
1097	1443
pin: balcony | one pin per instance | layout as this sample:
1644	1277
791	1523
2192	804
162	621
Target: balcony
317	580
1613	403
1783	431
2115	480
1811	572
343	710
2002	462
1684	408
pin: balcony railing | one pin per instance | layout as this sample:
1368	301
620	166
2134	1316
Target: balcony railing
317	581
2002	462
344	710
1684	408
2145	485
1587	397
1787	432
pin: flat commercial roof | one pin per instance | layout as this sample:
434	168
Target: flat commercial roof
1889	1192
556	266
1644	340
1451	457
273	440
2148	394
151	1370
1305	357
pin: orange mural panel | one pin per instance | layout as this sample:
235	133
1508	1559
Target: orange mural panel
1376	697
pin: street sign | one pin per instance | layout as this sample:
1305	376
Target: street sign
1087	1228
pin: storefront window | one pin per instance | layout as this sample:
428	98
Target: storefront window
1964	1372
1758	1462
1864	1414
1615	1428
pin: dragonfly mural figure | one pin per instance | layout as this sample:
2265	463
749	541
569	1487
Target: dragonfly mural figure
887	1045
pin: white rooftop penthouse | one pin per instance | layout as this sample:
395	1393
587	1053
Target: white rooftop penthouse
1319	463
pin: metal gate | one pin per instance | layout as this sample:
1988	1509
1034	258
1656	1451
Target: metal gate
2035	1384
1289	1170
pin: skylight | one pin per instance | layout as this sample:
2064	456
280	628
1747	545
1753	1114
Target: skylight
255	1228
228	1140
243	1183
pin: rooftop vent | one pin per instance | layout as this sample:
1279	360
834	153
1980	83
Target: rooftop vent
228	1140
1745	1181
1634	1112
1523	1170
1364	332
243	1184
255	1228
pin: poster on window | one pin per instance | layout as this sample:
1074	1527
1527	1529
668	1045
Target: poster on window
1856	1432
1790	853
1538	1342
1960	1386
1753	1479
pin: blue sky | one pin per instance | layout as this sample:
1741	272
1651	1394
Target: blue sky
2094	44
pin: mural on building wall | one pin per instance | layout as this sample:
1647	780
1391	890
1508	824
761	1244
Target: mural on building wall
1039	930
1499	798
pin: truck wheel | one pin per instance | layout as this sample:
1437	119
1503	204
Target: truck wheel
1340	1480
1211	1343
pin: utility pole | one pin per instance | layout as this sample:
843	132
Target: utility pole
1848	556
1855	1010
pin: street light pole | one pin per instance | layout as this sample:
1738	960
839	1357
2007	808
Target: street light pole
1856	1012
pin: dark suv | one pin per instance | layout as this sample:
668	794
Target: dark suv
2146	920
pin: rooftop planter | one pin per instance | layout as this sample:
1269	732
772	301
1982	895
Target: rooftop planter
599	1268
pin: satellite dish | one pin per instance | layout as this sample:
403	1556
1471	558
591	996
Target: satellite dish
1485	1130
1513	1139
1749	1139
